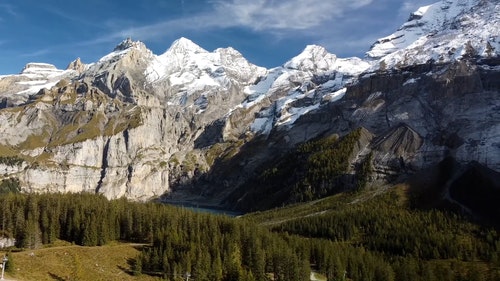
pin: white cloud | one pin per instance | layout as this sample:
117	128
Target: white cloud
274	16
283	15
325	22
69	17
37	53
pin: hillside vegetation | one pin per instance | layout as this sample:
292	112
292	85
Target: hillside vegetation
417	244
315	169
363	235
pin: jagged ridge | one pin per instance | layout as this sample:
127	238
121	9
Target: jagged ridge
135	124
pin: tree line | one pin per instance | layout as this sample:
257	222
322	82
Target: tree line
374	240
210	247
315	169
417	244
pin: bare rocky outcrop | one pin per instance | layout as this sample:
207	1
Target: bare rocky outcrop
396	150
76	65
113	131
138	125
6	242
434	101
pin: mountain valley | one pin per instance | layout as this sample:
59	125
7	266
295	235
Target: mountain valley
204	127
379	168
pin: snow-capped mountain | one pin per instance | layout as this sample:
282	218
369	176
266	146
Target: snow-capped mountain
113	122
138	124
17	88
302	84
442	32
186	63
189	69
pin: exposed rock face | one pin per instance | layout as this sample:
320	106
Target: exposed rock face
138	125
7	242
396	149
452	107
77	66
114	130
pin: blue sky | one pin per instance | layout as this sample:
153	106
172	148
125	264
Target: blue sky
267	32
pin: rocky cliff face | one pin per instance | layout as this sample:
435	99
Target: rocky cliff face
201	124
120	126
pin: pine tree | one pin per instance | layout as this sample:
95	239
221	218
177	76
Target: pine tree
216	272
10	264
137	266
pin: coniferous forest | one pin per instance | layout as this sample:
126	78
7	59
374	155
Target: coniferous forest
376	239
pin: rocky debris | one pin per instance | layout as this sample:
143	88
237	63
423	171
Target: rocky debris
396	149
399	141
434	102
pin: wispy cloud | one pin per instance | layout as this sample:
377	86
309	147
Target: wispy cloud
69	17
276	17
153	31
8	9
361	30
283	15
328	23
37	53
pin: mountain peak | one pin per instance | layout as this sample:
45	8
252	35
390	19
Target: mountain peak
312	58
450	24
127	44
184	45
38	67
77	65
314	49
228	50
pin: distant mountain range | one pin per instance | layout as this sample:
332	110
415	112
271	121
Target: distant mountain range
206	127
